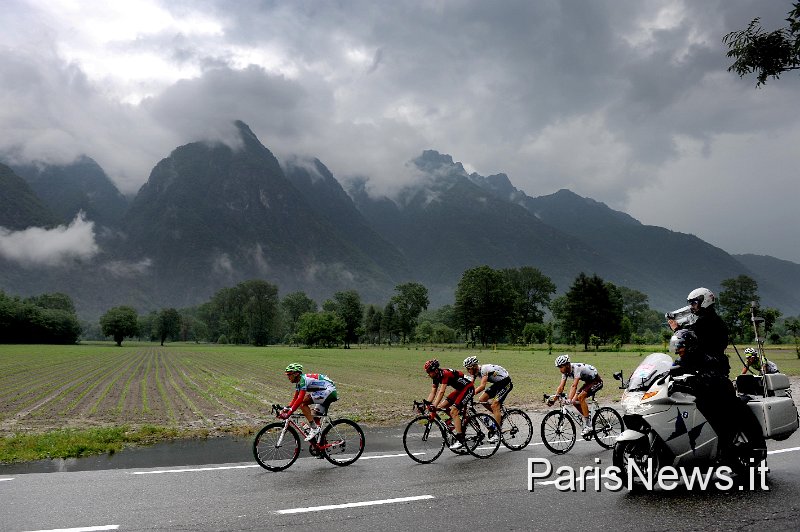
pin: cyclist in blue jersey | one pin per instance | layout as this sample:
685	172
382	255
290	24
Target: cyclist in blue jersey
310	388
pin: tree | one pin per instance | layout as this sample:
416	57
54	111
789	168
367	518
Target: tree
532	290
372	324
768	53
347	305
168	324
390	325
295	305
634	307
321	328
590	307
735	299
410	300
484	303
793	326
119	323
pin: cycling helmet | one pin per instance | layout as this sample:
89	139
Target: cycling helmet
470	361
704	296
682	338
750	352
431	365
294	366
562	360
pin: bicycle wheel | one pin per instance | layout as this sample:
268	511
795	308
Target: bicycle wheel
477	428
275	449
424	439
558	432
342	442
607	424
517	429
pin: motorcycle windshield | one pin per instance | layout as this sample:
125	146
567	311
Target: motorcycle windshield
653	366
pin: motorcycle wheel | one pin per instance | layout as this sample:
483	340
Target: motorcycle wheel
748	451
630	453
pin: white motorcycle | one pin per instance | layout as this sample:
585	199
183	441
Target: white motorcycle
665	428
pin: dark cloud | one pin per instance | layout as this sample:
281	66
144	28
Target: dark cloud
625	101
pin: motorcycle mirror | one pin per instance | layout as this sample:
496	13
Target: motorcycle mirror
618	375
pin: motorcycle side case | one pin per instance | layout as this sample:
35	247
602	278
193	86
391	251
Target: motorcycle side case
776	415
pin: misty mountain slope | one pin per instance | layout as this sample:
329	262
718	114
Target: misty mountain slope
777	281
20	207
328	199
78	186
210	216
450	224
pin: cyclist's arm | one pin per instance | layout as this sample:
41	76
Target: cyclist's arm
431	395
439	394
573	389
297	400
482	386
561	386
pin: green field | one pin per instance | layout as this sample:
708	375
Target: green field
147	392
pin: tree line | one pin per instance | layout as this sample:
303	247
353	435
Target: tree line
491	306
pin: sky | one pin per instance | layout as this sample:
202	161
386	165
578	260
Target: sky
628	102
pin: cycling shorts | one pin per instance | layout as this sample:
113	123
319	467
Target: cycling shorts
459	398
324	397
500	389
592	387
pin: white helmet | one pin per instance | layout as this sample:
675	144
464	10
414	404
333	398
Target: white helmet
562	360
470	361
704	296
750	352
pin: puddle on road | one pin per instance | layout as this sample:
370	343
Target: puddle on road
221	450
167	454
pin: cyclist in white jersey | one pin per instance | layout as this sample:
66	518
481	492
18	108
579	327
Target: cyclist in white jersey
310	388
578	372
501	386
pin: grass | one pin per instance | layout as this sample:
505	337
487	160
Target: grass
229	388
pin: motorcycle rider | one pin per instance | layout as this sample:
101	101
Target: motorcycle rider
702	352
710	330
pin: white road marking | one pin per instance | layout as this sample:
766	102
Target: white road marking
193	470
352	505
790	449
387	456
5	479
82	529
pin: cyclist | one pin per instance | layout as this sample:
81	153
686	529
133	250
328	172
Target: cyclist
592	383
501	386
310	388
752	360
463	390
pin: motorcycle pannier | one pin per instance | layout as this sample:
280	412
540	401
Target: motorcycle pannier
777	415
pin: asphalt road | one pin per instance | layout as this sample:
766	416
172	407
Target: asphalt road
386	490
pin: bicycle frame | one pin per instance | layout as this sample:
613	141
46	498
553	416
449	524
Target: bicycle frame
316	445
577	417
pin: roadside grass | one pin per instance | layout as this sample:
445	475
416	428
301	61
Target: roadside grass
227	389
71	443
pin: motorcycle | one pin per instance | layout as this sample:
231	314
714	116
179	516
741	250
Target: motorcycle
665	428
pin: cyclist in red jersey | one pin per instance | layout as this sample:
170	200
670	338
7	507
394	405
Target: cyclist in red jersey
463	390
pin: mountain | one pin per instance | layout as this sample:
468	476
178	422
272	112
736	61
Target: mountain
329	200
780	279
210	216
79	186
20	208
450	224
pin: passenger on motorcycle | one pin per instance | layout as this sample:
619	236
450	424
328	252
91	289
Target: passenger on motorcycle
752	361
592	383
501	386
463	390
710	331
309	388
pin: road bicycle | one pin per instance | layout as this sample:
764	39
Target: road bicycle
516	428
277	446
426	436
559	431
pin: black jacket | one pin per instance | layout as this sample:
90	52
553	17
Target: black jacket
712	339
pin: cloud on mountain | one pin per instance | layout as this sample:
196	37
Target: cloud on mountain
50	247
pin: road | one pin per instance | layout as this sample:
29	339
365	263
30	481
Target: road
385	490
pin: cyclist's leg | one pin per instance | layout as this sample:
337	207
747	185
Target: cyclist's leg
306	409
460	400
499	391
